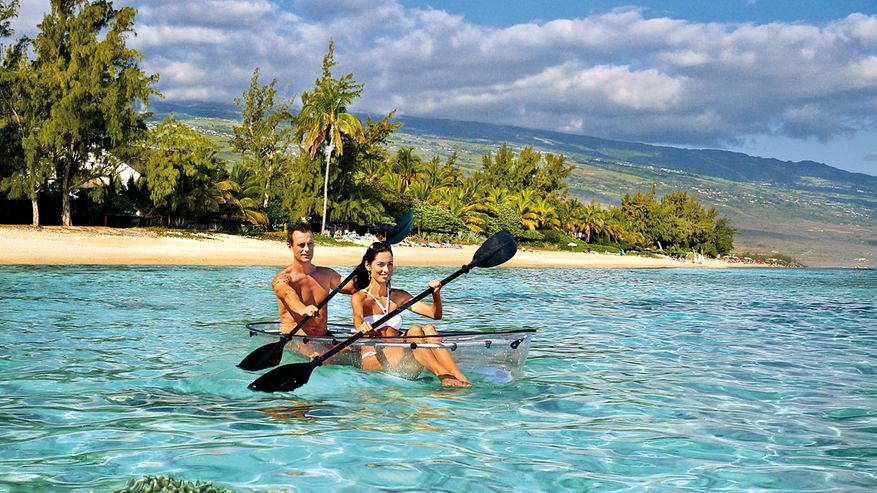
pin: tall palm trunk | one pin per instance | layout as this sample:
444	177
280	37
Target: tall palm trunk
329	149
267	185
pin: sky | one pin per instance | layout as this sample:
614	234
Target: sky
788	79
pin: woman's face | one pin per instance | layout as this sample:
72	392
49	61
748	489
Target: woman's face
381	267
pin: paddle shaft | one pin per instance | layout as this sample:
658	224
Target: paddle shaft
399	309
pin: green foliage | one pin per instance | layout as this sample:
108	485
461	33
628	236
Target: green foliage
91	91
23	171
324	119
531	235
558	238
772	258
182	171
545	175
504	218
262	141
428	217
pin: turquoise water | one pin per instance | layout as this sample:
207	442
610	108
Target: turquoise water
648	380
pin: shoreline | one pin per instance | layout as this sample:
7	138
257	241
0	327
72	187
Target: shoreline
52	245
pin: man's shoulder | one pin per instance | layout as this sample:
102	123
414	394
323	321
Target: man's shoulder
287	275
326	271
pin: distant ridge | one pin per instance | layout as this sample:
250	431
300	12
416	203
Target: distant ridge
821	215
734	166
195	109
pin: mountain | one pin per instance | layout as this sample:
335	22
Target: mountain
821	215
734	166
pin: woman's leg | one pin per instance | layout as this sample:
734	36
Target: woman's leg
427	358
443	355
368	358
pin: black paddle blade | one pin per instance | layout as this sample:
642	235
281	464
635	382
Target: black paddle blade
498	249
263	357
284	378
402	229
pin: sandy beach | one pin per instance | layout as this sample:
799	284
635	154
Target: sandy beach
110	246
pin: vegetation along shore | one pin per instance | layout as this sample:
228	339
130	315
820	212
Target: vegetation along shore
109	164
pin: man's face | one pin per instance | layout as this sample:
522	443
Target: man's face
302	246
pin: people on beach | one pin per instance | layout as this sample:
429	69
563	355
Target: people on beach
300	287
374	299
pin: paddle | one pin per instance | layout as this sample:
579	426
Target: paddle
270	354
496	250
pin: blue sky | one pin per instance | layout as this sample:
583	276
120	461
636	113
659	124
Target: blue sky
794	80
506	13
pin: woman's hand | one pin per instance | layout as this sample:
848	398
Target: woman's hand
435	284
365	328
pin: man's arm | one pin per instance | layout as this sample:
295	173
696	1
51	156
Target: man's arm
291	300
336	279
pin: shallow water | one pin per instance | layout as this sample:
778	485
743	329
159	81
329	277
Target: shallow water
647	380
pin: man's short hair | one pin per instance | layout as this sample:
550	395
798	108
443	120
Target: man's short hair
300	226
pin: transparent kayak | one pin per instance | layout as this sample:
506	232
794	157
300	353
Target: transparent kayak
496	357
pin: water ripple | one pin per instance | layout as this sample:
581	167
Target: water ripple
637	381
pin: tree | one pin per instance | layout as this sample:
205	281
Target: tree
641	218
260	138
546	214
407	165
182	172
593	219
323	118
27	171
551	176
524	204
93	87
240	193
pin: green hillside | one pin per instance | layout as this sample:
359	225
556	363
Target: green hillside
820	215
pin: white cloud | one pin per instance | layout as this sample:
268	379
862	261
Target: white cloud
618	75
165	35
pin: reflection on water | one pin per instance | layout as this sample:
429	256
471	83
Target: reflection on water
637	380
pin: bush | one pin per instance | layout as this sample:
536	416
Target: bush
430	218
505	220
558	237
529	236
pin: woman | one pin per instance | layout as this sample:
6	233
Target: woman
375	298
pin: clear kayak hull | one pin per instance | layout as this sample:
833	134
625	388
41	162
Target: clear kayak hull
496	357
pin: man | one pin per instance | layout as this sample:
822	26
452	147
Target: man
302	286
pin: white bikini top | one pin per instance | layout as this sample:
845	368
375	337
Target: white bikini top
394	323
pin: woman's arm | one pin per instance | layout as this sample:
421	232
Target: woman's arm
433	311
356	302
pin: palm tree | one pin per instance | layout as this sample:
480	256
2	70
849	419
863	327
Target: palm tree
227	198
407	165
593	219
461	205
546	213
524	204
359	208
323	118
570	212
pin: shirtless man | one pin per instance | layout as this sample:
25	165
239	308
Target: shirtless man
302	286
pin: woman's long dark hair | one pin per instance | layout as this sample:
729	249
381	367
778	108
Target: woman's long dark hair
363	276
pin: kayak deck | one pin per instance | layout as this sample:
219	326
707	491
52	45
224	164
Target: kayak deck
497	357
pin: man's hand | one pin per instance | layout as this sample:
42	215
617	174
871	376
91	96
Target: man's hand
310	311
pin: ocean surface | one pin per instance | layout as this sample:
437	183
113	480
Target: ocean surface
638	380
